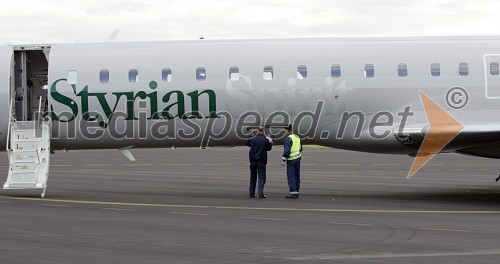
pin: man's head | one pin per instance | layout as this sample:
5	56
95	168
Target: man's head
289	129
261	129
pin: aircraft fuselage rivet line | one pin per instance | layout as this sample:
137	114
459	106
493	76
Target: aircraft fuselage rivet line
321	210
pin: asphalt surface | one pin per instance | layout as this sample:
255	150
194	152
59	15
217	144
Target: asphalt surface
191	206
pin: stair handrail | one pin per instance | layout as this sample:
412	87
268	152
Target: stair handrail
11	116
39	119
38	130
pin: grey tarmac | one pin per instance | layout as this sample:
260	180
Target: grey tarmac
191	206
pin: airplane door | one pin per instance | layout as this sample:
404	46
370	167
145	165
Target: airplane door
5	71
30	75
492	75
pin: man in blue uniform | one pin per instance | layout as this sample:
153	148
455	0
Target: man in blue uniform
259	146
292	156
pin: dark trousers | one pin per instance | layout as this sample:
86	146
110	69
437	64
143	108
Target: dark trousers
293	175
259	168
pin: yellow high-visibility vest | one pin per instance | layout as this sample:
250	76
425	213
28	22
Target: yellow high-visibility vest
295	149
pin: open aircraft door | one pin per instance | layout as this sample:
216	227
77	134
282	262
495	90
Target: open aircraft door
24	122
6	53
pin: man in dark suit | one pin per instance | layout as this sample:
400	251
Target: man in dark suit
259	146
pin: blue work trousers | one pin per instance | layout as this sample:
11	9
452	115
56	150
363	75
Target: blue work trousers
257	167
293	175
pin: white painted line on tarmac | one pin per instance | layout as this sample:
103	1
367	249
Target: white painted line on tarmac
264	218
249	208
117	209
403	256
348	223
183	213
445	229
56	205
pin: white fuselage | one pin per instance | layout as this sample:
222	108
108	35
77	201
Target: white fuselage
195	93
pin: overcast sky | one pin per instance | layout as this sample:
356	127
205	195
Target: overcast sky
53	21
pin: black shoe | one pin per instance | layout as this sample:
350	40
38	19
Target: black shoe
263	197
251	196
292	196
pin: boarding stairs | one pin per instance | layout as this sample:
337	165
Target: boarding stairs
28	147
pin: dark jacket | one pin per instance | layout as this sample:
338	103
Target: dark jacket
259	146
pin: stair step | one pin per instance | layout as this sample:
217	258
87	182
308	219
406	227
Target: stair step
27	134
23	178
29	155
24	167
26	146
14	186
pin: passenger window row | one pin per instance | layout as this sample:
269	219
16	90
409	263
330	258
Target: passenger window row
268	72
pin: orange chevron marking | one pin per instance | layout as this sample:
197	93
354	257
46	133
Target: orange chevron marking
442	129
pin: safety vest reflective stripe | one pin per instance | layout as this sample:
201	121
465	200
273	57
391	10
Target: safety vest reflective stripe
295	149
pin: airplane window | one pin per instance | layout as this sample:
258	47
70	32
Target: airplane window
268	73
104	76
301	72
335	71
435	69
72	77
463	69
234	73
201	74
369	71
133	75
166	75
402	70
494	68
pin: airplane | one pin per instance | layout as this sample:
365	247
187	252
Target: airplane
416	96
